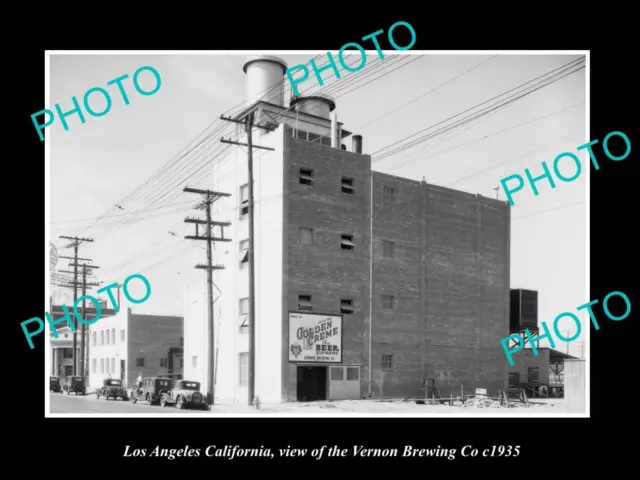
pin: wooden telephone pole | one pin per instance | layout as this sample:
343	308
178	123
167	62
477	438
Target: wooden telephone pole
84	355
75	243
248	123
208	198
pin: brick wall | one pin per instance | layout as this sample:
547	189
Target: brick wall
151	337
449	273
322	269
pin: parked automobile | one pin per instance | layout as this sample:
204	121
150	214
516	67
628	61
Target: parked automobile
151	390
184	394
54	385
74	384
112	387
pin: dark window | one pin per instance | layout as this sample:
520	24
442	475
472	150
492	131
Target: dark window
514	379
326	141
533	374
304	303
314	137
389	194
306	176
388	302
68	352
301	135
306	235
387	248
353	373
347	185
164	362
139	362
337	373
244	201
182	363
346	306
182	341
244	253
346	242
387	362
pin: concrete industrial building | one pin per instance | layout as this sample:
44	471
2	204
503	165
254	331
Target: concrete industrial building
409	281
127	343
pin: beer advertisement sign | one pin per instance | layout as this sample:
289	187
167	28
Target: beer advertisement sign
315	338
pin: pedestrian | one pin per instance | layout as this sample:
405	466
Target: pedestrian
139	380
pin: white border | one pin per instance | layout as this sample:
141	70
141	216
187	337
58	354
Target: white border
504	414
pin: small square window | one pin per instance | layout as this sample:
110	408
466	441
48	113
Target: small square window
139	362
244	201
388	302
387	249
301	135
304	303
389	194
346	242
164	362
347	185
306	176
244	253
244	324
244	306
346	306
326	141
306	235
353	373
337	374
387	362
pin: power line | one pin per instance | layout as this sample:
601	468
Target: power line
518	96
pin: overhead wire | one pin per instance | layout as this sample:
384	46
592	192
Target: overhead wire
378	155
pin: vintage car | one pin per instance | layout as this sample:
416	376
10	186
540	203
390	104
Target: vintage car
112	387
151	390
54	385
74	384
184	393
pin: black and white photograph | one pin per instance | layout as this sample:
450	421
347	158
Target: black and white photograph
299	233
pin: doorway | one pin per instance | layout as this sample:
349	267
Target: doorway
312	384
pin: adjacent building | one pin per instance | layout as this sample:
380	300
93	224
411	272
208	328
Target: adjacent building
126	344
367	284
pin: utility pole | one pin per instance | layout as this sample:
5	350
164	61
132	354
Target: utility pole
208	198
84	284
248	122
84	354
76	241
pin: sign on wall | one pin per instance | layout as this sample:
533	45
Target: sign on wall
315	338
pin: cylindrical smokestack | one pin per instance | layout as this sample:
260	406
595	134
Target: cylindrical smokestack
357	144
265	79
334	131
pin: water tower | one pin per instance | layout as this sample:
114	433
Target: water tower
265	79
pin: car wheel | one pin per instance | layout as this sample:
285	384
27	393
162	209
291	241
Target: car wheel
180	403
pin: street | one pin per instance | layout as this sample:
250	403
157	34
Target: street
62	403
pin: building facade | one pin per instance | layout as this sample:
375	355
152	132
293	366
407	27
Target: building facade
126	344
61	348
389	282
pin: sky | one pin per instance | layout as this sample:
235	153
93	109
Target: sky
96	165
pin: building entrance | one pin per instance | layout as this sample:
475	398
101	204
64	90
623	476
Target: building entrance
312	384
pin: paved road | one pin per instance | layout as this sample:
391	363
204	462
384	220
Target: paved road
90	404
